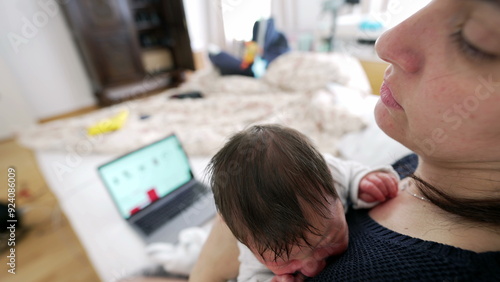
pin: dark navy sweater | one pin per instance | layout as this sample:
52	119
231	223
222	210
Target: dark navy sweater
376	253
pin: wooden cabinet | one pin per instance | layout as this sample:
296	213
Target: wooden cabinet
130	47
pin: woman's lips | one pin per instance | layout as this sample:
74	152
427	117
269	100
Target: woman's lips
387	98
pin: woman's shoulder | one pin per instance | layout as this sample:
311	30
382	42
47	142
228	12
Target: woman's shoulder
377	253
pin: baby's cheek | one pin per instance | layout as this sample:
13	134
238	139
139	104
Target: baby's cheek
323	253
292	267
313	267
333	248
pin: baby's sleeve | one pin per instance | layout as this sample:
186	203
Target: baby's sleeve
251	270
348	175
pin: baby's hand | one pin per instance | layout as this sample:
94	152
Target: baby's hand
377	187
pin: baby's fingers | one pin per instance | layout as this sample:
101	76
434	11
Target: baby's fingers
367	198
390	183
370	191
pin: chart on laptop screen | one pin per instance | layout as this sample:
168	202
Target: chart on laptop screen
146	175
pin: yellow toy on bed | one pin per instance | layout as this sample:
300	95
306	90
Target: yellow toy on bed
109	124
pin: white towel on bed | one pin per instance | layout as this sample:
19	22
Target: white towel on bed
179	258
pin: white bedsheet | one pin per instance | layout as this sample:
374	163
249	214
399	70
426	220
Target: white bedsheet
292	92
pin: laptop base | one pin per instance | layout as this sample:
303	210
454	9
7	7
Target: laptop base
197	214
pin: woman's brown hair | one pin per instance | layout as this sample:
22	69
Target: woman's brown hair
486	210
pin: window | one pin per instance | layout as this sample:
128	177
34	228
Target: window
240	15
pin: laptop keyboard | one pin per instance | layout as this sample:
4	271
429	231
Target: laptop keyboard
155	220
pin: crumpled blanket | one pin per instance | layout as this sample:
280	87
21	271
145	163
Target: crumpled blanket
293	92
202	125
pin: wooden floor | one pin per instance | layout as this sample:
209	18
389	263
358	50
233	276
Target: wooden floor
48	250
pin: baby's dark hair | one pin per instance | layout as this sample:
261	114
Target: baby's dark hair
263	179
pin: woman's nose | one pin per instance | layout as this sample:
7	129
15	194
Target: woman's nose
400	46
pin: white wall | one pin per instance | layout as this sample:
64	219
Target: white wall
37	48
197	22
302	17
392	12
300	20
206	24
308	12
15	113
293	16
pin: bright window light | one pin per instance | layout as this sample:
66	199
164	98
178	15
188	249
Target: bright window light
240	15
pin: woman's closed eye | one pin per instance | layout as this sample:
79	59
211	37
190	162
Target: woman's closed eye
476	35
469	49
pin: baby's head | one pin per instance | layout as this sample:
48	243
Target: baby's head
276	194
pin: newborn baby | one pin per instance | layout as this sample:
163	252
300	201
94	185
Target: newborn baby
285	202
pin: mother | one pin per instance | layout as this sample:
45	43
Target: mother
441	99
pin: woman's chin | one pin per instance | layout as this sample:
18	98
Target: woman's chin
385	120
382	116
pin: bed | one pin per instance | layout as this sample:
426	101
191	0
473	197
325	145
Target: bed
325	95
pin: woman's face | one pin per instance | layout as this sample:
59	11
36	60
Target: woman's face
441	95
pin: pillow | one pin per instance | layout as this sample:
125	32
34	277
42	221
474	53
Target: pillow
351	68
304	71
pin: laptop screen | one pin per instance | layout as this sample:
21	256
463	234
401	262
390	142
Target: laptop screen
141	177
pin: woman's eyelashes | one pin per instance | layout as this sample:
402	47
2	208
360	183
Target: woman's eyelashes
469	49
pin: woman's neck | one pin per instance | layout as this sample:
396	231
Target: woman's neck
414	215
471	180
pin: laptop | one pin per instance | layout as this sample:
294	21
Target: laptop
155	191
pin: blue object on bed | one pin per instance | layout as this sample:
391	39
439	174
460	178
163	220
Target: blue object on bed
228	64
275	44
